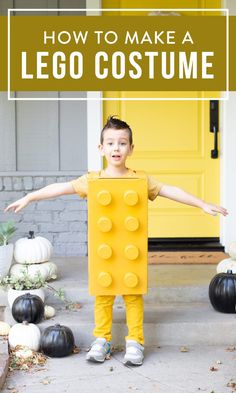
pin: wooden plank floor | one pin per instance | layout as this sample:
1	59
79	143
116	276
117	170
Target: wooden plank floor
185	257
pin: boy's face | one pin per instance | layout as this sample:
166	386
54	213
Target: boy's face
116	147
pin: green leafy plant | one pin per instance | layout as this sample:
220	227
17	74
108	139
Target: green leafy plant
28	282
7	230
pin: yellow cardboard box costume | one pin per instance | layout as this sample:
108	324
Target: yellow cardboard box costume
117	235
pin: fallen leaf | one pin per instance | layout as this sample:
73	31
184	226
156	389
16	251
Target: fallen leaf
184	349
117	348
45	381
231	349
231	385
25	367
76	350
25	363
213	368
77	305
74	306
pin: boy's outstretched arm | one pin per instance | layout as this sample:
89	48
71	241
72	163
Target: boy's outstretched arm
179	195
51	191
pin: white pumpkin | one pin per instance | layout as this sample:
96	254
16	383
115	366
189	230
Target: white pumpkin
32	249
49	312
232	250
25	334
24	353
48	270
226	264
4	328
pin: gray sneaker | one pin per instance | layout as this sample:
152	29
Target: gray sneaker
134	353
99	351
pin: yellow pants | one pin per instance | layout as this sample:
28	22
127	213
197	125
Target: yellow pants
134	317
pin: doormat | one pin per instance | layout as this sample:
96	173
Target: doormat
185	257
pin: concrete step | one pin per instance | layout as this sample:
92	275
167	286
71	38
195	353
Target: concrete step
159	295
169	324
166	283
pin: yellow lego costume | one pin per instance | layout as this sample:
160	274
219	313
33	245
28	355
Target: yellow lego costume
117	234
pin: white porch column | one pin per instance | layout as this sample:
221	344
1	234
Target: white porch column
228	170
94	111
228	160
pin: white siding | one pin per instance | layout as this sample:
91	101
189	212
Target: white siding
37	134
73	132
7	134
43	135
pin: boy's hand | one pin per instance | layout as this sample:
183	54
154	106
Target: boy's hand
18	205
214	209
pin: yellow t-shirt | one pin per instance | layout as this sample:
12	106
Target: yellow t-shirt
80	184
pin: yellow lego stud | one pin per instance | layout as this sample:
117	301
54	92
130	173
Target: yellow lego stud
131	223
104	251
131	198
104	197
131	252
104	224
130	280
104	279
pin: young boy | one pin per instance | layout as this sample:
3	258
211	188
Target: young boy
116	144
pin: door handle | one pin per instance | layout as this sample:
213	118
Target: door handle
214	125
214	152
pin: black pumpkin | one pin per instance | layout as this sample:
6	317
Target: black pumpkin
222	292
28	308
57	341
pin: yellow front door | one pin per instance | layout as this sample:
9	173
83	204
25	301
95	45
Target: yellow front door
173	143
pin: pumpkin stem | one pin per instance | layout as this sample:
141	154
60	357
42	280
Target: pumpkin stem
31	235
25	323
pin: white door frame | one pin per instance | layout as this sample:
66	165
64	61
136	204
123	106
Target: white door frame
228	143
94	111
228	158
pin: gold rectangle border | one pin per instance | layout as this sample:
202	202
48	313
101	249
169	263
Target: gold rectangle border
99	98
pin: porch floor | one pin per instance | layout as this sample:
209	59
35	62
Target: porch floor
177	314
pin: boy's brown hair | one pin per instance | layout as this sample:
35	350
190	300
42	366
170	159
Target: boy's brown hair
116	124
